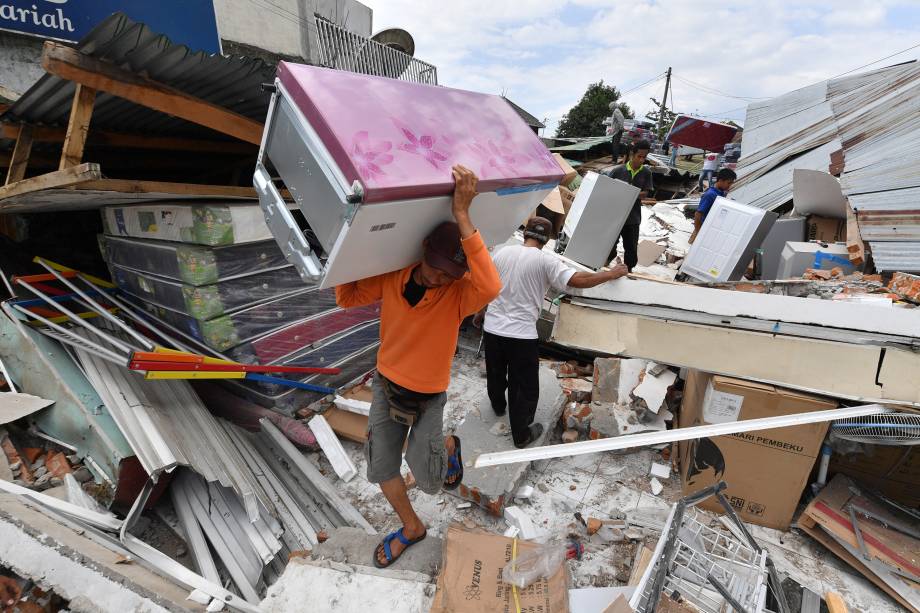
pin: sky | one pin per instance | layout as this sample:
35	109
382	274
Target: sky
544	53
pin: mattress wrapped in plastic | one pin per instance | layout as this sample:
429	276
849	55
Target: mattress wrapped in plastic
191	264
289	340
221	223
206	302
354	352
229	330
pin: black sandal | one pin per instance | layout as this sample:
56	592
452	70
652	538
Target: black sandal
534	432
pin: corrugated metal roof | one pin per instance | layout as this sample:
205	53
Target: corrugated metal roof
584	144
230	82
529	119
874	116
896	256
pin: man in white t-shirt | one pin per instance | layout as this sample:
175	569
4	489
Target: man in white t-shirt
710	166
510	327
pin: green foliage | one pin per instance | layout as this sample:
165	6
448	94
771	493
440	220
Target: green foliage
669	117
587	117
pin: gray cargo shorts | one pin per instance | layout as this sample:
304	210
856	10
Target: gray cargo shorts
425	455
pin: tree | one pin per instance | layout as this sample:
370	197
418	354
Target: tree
587	117
669	117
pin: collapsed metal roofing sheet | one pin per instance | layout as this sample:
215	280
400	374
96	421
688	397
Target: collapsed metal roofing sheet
873	116
896	256
167	426
583	145
229	82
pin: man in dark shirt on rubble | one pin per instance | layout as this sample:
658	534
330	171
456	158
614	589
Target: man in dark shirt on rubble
636	173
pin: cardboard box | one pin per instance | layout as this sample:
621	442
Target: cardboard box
826	229
893	471
570	173
348	425
470	579
568	197
553	201
765	471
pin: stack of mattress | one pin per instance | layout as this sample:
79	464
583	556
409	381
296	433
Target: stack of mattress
211	274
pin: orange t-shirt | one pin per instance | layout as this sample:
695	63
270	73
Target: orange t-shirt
417	343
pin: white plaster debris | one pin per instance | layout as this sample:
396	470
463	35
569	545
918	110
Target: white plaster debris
361	407
520	520
523	493
657	488
662	471
215	606
653	389
343	588
333	449
464	505
200	597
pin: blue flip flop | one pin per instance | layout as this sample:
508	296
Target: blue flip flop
385	543
454	467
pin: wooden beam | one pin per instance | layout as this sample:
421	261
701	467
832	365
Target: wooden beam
128	186
21	152
72	65
103	138
81	111
59	178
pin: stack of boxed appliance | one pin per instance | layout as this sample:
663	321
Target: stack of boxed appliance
212	275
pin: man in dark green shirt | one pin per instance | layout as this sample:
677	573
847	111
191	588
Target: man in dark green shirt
636	173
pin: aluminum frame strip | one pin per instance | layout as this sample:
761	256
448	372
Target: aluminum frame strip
316	478
672	436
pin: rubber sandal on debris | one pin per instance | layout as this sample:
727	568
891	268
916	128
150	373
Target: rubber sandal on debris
388	553
454	467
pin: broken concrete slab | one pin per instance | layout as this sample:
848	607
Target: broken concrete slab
355	547
15	406
492	488
91	576
609	420
342	588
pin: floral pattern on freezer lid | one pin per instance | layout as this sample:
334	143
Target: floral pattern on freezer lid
401	139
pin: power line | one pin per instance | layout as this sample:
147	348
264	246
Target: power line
887	57
638	87
714	91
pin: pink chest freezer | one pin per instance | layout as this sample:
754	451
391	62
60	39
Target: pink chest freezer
368	162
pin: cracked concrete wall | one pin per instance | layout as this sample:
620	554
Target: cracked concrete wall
286	27
20	61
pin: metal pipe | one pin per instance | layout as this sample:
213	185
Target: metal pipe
95	306
73	317
82	343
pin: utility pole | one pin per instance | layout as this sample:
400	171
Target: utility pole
664	100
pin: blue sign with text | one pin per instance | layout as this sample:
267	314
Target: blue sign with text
187	22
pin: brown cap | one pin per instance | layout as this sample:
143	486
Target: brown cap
444	252
538	228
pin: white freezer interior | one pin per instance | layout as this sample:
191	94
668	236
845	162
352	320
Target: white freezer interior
388	236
